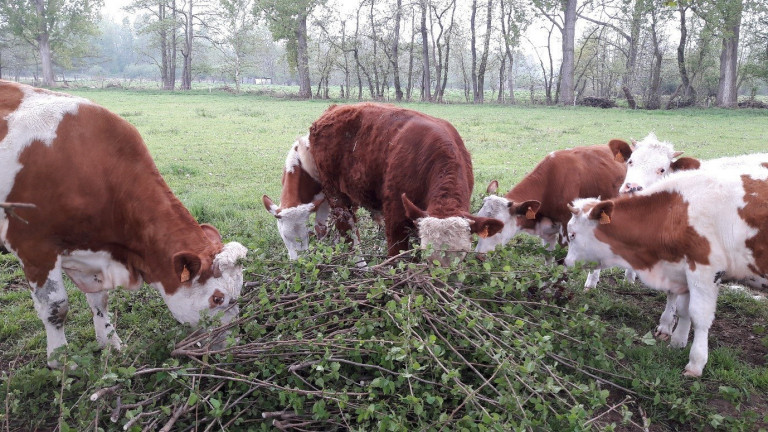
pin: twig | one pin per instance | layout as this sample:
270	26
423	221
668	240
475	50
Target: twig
10	209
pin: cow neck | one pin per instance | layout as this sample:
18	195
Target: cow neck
647	229
448	190
298	188
162	232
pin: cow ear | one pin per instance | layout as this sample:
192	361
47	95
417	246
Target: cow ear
620	149
411	211
685	163
527	208
493	186
270	206
677	154
602	212
211	232
186	265
484	227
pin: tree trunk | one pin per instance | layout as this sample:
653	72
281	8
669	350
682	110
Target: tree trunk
727	89
302	60
44	45
186	52
409	85
426	92
484	60
689	94
653	100
395	52
473	48
172	72
163	46
502	67
566	89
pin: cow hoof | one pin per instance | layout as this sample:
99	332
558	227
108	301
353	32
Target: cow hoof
689	372
661	335
678	343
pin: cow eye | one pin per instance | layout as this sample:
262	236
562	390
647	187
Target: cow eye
661	170
629	162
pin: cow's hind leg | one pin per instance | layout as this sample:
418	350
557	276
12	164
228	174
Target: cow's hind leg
52	305
592	278
667	320
701	307
105	332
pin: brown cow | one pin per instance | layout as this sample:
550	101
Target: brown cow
411	166
538	204
102	214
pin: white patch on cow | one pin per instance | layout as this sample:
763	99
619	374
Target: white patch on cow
36	119
307	160
96	271
191	300
292	159
448	237
293	225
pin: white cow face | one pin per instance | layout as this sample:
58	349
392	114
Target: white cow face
583	246
293	223
650	161
510	213
450	238
218	293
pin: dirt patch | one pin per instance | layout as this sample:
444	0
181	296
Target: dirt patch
734	333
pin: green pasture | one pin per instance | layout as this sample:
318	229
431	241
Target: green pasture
221	152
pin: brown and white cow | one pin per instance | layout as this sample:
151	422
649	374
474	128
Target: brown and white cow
538	204
301	195
102	214
412	167
683	235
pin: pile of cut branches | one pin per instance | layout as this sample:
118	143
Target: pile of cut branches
401	345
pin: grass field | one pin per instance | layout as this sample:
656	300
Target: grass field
220	152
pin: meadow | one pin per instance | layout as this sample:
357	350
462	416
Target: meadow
586	360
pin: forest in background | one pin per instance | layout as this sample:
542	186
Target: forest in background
650	54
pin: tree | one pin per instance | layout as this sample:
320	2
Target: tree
287	20
514	19
426	78
478	71
566	23
232	33
54	28
159	22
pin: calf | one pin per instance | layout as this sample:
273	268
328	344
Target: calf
538	204
683	235
102	214
412	167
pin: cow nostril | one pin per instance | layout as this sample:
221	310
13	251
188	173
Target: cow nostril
639	188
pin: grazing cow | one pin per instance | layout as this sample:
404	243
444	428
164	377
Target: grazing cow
538	204
102	214
683	235
411	166
301	196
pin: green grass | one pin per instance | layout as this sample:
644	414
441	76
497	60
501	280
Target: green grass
220	152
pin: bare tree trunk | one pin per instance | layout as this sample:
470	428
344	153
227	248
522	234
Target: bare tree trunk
186	51
426	92
653	100
302	61
502	67
409	85
511	80
689	94
395	52
163	46
484	60
566	88
727	89
172	72
473	47
44	44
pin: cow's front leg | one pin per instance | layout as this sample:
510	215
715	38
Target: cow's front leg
105	332
701	308
667	320
592	278
52	305
345	220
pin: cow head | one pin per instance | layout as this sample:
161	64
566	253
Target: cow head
450	237
512	214
648	161
208	286
583	245
293	222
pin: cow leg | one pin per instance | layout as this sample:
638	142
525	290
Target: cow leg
630	275
346	224
679	337
52	305
397	236
701	308
105	332
592	278
667	320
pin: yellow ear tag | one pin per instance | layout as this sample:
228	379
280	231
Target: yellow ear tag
484	232
184	275
604	218
619	158
530	214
